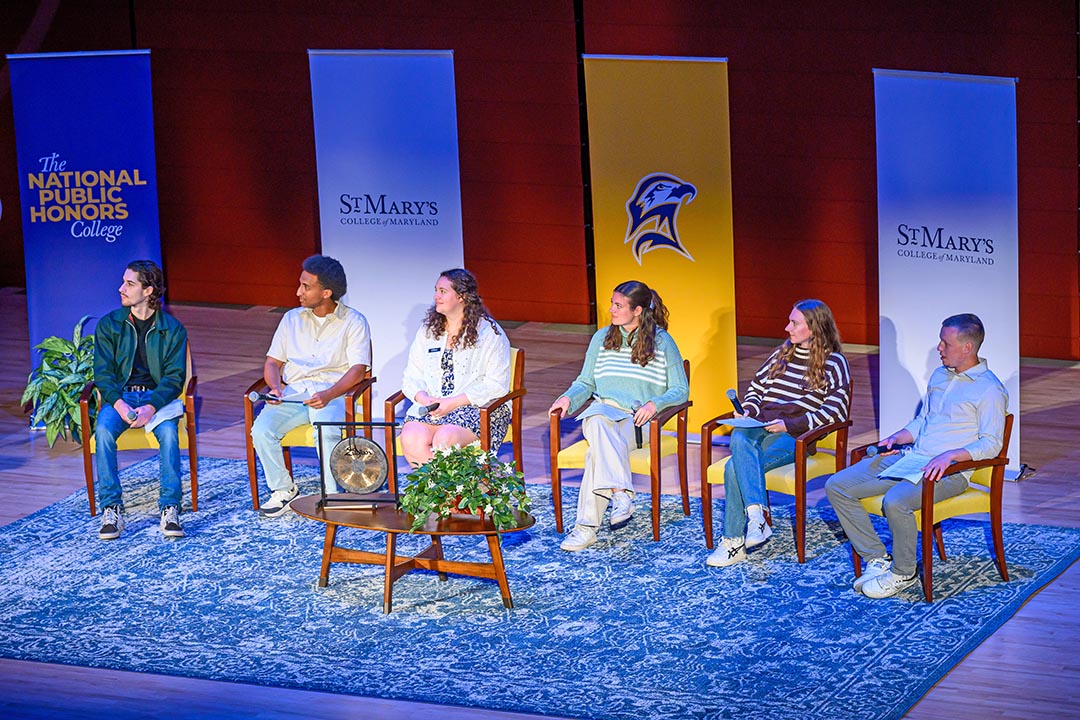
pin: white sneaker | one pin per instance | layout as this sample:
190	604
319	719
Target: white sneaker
887	584
581	537
873	568
757	530
278	504
622	509
729	552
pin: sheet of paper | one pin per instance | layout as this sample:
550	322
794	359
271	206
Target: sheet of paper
909	467
609	411
173	410
743	422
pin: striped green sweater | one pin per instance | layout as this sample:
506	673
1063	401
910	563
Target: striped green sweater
611	376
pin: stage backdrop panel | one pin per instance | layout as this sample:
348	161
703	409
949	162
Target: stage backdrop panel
84	131
660	155
389	191
947	229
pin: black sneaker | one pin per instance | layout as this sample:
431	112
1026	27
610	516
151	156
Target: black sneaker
112	522
170	522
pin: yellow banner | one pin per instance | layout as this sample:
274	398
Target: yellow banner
660	155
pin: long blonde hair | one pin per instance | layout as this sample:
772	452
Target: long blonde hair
824	341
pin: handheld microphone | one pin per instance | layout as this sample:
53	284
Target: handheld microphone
637	428
734	398
876	450
425	409
257	396
132	416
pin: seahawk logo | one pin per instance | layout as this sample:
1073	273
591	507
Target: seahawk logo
652	210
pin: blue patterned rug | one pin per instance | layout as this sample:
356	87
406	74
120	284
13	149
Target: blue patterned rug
626	629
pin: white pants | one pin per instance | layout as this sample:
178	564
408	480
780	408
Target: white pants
607	466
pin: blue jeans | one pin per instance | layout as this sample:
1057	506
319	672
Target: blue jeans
753	453
109	427
274	421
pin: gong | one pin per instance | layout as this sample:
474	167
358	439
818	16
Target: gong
358	465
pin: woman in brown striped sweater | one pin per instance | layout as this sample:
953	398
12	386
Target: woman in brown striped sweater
804	384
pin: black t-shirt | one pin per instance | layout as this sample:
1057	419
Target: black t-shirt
140	369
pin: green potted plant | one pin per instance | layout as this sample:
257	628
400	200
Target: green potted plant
465	480
53	388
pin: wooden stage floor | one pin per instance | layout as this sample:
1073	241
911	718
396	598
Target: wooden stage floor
1028	669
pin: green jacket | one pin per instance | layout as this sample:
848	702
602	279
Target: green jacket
114	354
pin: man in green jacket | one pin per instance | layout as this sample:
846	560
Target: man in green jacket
140	364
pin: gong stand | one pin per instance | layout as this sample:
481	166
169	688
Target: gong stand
360	466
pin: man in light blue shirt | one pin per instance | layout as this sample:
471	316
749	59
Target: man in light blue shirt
962	418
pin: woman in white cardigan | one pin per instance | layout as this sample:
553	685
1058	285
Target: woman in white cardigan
459	360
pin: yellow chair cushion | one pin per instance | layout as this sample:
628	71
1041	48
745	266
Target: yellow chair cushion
782	479
139	439
973	501
574	456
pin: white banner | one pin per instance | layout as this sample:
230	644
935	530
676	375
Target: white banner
389	190
947	229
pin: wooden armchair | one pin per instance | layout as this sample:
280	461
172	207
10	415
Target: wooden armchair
821	451
983	495
515	397
139	439
305	435
643	461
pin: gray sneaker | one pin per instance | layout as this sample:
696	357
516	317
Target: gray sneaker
112	522
170	522
278	504
873	568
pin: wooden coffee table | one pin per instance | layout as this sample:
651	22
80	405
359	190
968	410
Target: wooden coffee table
388	519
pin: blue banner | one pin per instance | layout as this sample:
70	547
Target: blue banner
84	131
386	149
947	229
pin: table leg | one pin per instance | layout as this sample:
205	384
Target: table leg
436	542
327	551
500	569
388	576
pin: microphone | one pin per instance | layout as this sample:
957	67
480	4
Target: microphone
257	396
132	416
637	428
878	449
425	409
734	398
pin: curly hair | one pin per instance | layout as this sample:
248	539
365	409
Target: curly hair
464	284
654	314
824	341
151	276
330	274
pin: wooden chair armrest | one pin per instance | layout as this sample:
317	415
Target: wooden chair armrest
390	406
666	414
976	464
84	396
488	407
358	389
708	428
859	453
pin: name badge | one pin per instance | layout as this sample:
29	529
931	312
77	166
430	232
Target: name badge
433	350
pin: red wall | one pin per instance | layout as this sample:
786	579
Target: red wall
236	160
803	144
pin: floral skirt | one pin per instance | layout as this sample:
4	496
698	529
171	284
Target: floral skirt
468	417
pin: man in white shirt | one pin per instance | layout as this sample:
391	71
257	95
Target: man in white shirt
321	349
962	418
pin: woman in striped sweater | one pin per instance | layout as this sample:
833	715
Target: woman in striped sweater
803	385
632	370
